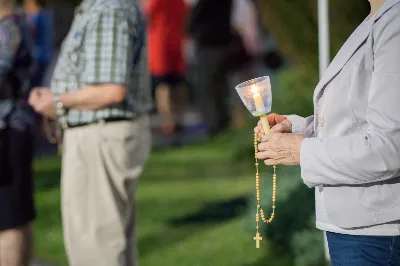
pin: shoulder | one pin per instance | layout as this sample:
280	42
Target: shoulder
388	23
116	12
121	7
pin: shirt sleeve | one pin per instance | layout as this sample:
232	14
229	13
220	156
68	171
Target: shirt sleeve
108	46
10	39
373	155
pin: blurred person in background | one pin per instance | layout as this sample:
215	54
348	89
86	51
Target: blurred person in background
226	37
166	22
248	46
209	26
62	15
16	139
41	27
100	94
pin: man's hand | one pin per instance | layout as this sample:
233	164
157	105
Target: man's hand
278	124
280	148
42	101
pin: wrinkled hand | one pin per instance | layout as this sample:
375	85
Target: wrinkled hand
278	124
42	101
280	149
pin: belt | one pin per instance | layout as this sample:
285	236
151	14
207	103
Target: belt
104	120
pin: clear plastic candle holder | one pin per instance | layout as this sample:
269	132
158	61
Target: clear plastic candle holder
256	95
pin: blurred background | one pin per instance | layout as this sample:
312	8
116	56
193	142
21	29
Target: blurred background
196	198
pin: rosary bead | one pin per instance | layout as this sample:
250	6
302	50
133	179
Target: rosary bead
274	176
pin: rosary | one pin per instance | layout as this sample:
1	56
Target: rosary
260	211
256	95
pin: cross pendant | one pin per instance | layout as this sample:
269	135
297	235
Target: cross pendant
257	238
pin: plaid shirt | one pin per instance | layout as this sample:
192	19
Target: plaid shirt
100	48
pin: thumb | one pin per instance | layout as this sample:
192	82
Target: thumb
278	128
282	127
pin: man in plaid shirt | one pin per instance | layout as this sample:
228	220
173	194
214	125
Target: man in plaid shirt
100	93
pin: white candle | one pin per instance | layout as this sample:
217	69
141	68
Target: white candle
258	100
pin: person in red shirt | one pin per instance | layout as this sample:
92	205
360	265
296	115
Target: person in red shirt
166	21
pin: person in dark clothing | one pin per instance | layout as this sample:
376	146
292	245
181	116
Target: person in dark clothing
210	28
41	27
16	139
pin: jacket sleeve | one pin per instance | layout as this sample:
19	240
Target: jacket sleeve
10	39
373	155
302	126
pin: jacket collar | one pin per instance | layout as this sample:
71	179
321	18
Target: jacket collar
350	47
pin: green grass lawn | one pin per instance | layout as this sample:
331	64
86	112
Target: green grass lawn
193	209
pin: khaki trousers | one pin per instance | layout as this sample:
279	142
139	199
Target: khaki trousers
100	168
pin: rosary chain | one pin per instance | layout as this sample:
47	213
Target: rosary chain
260	211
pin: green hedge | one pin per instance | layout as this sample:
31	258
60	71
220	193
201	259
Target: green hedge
294	26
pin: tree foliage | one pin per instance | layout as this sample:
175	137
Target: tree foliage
294	26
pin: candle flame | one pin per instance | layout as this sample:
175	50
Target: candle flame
254	89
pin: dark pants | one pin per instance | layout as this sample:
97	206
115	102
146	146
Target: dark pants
348	250
213	87
16	199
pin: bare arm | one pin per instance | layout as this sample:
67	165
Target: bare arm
94	97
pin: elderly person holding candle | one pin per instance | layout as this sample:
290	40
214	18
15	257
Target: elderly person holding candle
349	150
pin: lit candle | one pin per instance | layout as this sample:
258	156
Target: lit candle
258	100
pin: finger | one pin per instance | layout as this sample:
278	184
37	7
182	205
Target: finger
265	155
32	99
287	125
274	161
263	146
275	119
37	90
260	127
271	162
266	138
257	129
36	94
278	128
272	136
271	119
